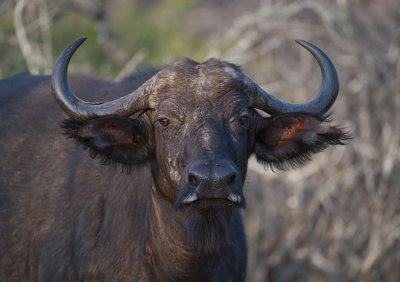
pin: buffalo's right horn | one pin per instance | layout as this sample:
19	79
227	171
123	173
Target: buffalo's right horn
75	107
321	102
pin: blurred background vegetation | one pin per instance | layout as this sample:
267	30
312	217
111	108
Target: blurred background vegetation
336	218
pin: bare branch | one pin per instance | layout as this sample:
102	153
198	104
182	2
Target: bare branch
22	37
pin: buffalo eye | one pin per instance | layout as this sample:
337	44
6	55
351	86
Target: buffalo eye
164	122
244	119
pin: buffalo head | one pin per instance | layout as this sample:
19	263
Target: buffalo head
196	125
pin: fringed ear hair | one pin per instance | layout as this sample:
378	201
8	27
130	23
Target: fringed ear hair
288	140
116	140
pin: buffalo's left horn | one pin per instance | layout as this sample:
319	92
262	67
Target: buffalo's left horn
321	102
75	107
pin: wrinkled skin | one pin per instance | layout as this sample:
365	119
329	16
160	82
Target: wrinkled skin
176	215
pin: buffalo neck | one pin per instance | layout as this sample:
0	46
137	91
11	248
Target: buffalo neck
168	255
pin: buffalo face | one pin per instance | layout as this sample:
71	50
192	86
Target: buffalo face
201	128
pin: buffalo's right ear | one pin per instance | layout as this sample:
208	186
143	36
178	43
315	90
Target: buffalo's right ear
115	139
288	140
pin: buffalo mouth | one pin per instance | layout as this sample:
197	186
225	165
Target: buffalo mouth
210	204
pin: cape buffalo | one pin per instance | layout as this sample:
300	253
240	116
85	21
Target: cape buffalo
182	138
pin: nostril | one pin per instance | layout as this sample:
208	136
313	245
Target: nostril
231	179
194	179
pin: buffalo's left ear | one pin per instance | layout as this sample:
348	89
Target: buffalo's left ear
114	139
288	140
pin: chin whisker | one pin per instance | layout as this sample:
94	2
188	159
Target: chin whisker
209	232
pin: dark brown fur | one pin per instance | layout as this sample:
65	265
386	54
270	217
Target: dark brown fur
65	217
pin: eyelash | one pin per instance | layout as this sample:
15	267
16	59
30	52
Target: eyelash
243	119
164	122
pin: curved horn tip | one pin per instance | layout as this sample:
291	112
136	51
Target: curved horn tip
77	42
61	90
317	52
80	39
300	41
306	44
66	54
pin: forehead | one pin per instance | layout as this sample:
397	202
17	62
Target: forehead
212	81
